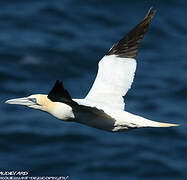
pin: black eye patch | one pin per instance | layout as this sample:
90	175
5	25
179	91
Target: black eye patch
34	100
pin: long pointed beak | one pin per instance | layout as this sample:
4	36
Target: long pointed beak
21	101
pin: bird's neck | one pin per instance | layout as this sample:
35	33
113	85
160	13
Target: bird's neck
60	111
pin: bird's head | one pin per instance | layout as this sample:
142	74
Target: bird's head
36	101
44	102
58	102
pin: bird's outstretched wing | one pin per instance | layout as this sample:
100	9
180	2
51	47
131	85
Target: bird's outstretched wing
117	68
59	94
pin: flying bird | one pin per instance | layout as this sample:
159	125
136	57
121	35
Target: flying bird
103	107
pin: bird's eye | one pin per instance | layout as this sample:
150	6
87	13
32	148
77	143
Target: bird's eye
33	100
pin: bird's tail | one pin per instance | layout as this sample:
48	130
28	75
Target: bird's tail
149	123
159	124
141	122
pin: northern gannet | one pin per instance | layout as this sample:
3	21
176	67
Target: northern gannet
103	107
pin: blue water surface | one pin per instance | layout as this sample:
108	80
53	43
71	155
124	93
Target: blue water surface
45	40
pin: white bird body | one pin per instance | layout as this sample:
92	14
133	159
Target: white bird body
103	107
108	118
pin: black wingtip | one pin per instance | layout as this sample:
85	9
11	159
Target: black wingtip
127	47
150	13
58	93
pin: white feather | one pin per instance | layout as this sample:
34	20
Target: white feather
114	78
